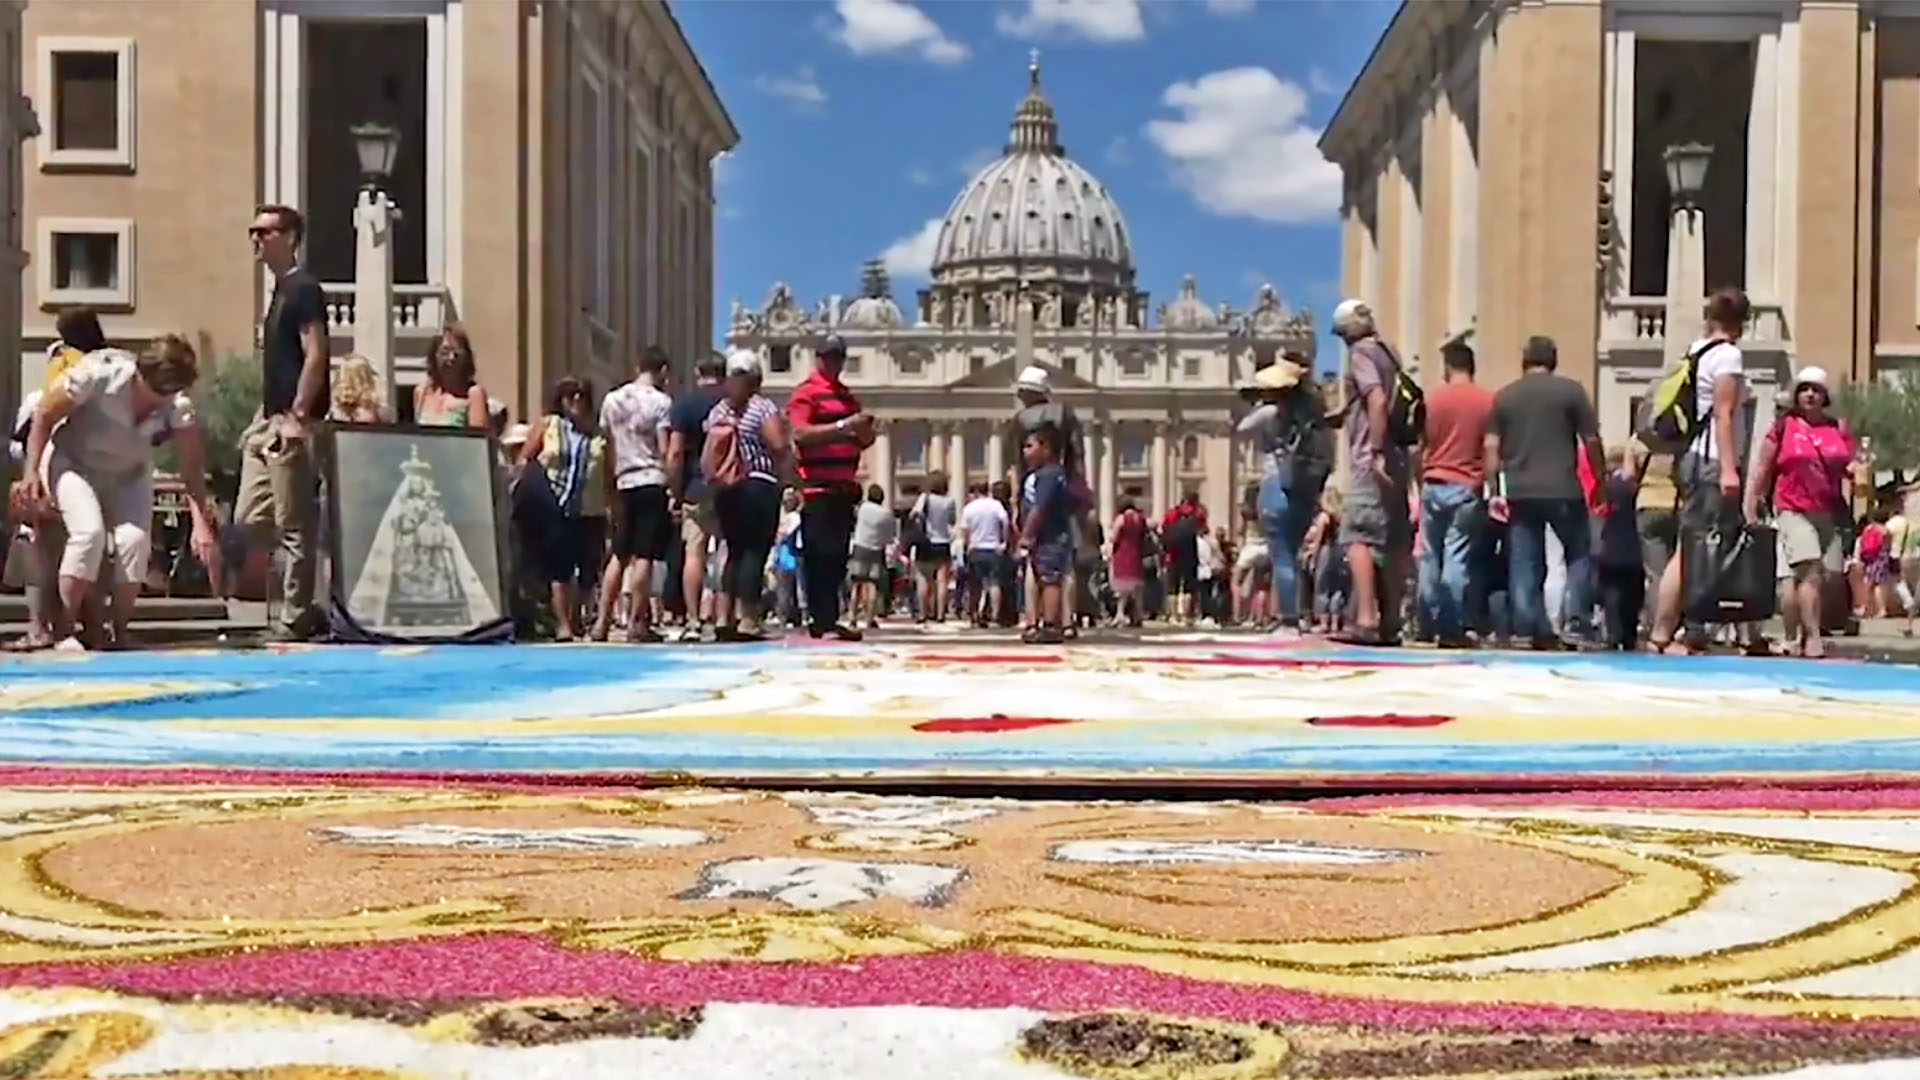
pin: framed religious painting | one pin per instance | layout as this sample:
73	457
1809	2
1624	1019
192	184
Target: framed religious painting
416	534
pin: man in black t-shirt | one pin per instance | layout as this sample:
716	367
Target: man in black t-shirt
698	522
279	485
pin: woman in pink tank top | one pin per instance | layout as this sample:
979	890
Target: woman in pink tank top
1804	470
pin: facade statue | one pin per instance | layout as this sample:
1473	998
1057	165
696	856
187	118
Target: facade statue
993	310
737	315
1050	311
937	310
1083	314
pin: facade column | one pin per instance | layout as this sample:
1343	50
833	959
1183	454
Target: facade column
1157	462
936	447
1109	472
996	452
957	464
882	464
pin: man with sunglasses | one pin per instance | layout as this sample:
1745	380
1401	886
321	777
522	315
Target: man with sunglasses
279	484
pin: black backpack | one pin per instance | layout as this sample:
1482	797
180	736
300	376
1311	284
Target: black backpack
1406	405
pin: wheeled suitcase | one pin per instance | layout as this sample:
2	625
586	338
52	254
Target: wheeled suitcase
1727	574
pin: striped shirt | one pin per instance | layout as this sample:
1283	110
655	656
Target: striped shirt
750	430
835	463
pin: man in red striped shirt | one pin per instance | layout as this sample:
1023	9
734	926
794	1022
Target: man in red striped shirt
829	432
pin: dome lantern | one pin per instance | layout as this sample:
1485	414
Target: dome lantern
1035	130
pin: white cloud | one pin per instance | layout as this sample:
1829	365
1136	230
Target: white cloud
1320	82
801	88
1091	20
912	255
892	27
977	159
1230	7
1242	148
1119	151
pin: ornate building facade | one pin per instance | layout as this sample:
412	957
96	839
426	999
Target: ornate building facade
1034	265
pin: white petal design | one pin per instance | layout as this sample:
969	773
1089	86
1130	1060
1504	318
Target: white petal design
471	838
819	884
898	813
1900	834
1898	976
1165	852
1770	897
42	930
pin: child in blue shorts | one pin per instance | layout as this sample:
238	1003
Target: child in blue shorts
1047	529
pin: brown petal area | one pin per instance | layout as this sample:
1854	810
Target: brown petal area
1332	1054
1109	1044
284	868
493	1023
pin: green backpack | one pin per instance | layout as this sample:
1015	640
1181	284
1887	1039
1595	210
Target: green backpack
1672	415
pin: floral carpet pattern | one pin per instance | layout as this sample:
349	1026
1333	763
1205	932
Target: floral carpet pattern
245	926
1228	711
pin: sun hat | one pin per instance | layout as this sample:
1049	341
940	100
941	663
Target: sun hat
1811	376
1034	377
1279	375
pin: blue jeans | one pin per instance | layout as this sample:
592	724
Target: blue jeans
1284	517
1449	521
1527	565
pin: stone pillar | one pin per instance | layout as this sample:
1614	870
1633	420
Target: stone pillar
1161	468
1109	472
1686	276
881	465
957	464
997	452
936	447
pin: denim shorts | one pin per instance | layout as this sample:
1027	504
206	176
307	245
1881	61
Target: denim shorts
1051	559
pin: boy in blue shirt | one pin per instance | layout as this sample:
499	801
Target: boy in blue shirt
1047	529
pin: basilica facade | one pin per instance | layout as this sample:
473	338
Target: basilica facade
1034	265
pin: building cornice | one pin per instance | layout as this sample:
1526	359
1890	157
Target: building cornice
1402	65
712	109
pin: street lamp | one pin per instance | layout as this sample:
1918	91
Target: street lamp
377	146
1686	240
1687	172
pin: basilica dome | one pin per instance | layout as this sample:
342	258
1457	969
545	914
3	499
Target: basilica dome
1034	212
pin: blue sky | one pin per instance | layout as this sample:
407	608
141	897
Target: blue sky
861	119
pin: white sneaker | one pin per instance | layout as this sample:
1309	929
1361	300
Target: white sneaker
69	645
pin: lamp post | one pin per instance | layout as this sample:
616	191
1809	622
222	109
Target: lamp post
1686	166
377	146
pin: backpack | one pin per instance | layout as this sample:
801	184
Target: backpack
720	459
1672	414
1406	405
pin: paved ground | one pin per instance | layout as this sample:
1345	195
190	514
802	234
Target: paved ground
332	864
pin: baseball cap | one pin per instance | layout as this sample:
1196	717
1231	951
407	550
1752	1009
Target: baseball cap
1811	376
1349	311
743	362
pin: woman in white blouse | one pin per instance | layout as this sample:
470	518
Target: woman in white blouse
90	448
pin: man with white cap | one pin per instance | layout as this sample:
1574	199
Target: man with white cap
1375	525
1038	409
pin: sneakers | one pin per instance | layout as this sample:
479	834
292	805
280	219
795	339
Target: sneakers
838	632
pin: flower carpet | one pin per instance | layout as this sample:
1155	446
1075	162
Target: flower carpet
340	864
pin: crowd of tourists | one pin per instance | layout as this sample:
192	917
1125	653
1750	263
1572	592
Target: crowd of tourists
709	511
